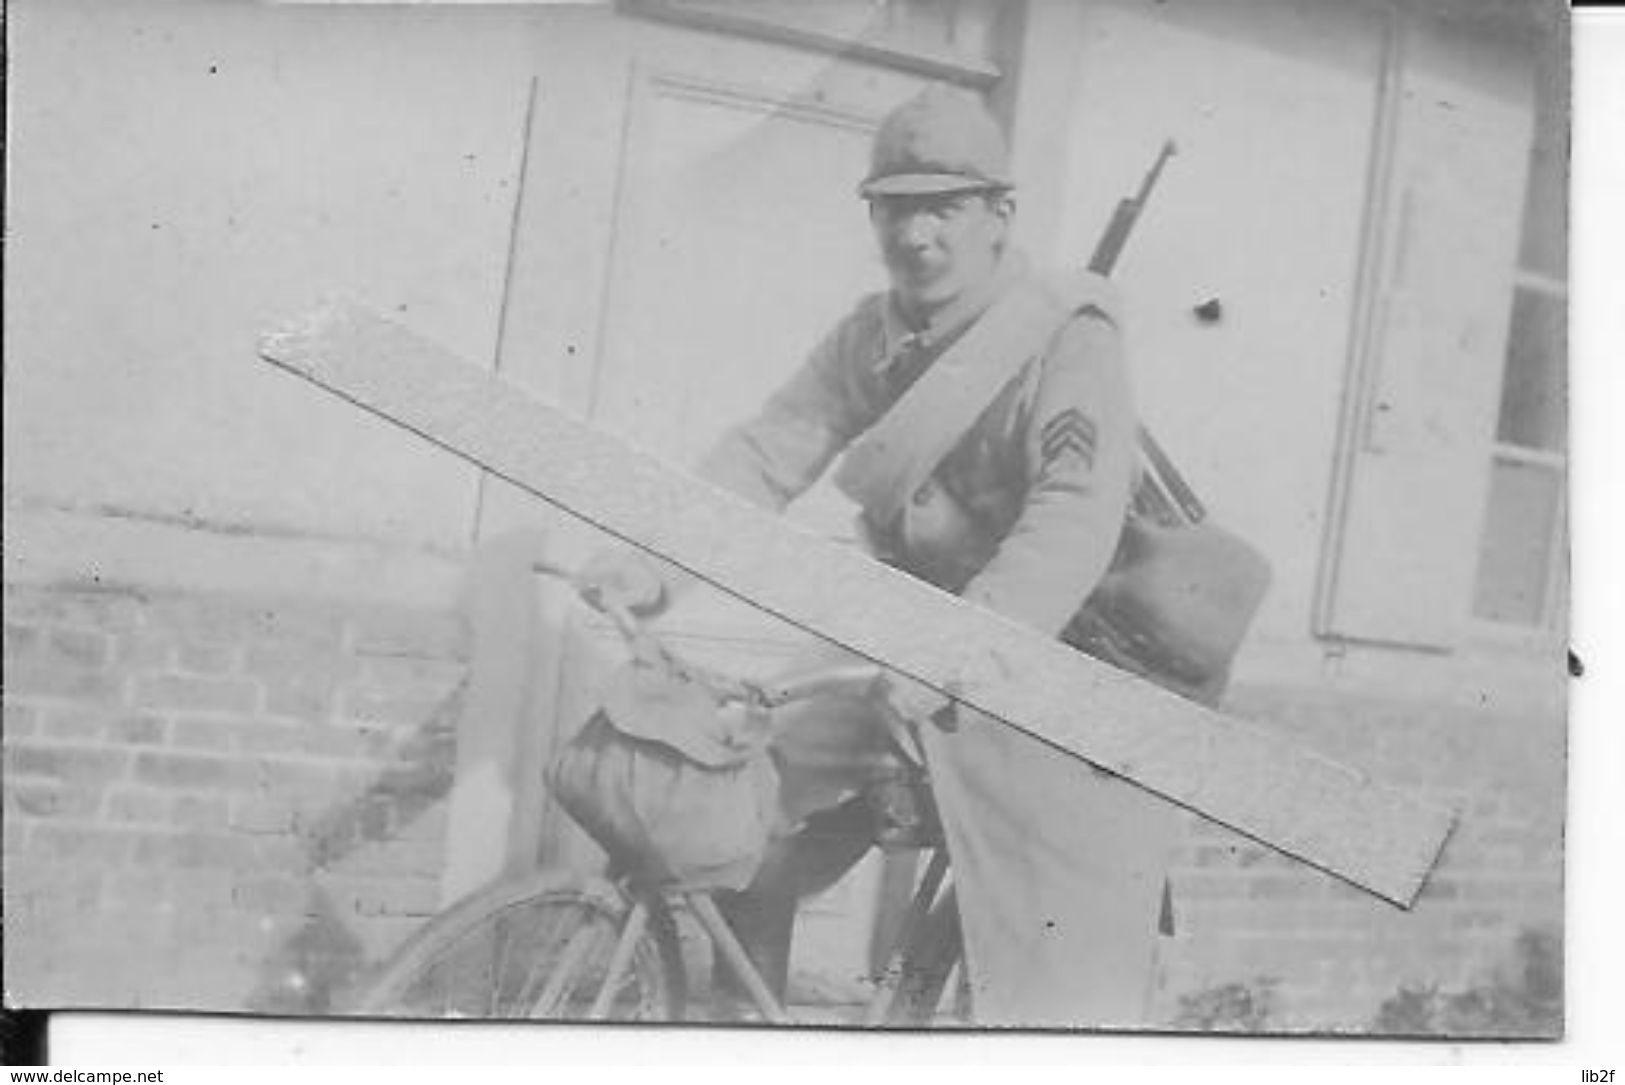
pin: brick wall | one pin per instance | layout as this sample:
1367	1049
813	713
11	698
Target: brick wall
218	801
233	802
1326	956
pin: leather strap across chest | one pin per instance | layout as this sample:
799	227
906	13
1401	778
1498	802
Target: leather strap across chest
894	458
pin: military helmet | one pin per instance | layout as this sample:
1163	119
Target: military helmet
941	140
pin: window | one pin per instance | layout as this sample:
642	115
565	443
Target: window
941	39
1523	546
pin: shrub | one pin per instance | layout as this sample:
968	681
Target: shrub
1230	1007
1523	999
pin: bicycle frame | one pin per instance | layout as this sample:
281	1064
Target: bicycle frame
923	958
927	948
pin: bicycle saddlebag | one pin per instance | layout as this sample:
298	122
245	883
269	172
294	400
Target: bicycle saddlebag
672	786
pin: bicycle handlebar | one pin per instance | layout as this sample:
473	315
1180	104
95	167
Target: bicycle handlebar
844	678
840	678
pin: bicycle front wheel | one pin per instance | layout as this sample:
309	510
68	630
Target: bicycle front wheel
538	948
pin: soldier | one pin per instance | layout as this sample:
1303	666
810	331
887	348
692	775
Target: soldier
1003	475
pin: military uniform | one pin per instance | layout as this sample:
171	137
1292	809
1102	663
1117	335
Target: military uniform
1023	516
1058	867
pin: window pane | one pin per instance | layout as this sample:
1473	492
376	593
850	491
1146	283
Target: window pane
952	28
1545	217
1534	407
1516	554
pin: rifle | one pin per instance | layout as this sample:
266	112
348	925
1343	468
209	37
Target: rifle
1182	591
1170	484
1128	211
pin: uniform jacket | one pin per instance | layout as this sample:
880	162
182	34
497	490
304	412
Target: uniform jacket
1023	515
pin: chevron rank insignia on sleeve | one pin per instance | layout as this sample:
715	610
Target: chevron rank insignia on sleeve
1069	432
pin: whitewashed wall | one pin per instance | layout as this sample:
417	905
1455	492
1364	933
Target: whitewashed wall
183	176
1273	105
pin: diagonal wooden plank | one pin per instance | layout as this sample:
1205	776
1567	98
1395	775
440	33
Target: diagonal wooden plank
1307	806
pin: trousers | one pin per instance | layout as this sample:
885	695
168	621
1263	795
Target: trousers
1059	867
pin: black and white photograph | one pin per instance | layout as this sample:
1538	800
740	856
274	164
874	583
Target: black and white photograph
865	514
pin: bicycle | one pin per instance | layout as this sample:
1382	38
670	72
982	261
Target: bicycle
559	945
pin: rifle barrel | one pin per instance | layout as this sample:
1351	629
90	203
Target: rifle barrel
1115	239
1169	149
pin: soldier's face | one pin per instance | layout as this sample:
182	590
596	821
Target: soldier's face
939	245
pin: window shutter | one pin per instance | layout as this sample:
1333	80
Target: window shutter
1446	195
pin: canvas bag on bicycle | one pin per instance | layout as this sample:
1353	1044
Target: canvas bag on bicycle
1179	595
676	788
